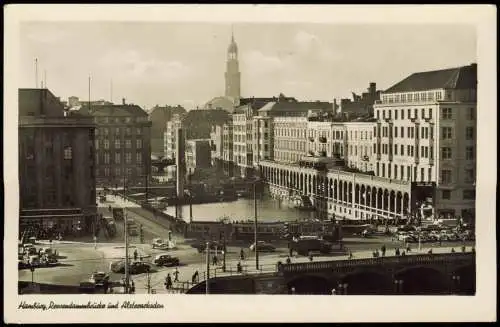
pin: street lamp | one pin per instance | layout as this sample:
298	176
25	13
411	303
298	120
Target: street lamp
255	223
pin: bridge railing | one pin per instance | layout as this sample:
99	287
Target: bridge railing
419	258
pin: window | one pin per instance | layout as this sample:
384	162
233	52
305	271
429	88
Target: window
402	132
446	194
430	113
469	133
117	171
395	149
422	173
429	174
402	148
128	131
117	158
128	158
446	133
117	144
395	131
415	113
106	158
378	114
469	153
128	144
409	113
106	144
138	131
469	195
408	172
396	114
445	153
423	113
106	131
446	113
471	114
469	175
402	114
409	132
117	130
402	170
445	176
96	144
138	144
68	153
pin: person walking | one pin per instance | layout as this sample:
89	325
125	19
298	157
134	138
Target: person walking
242	255
288	260
383	250
403	253
238	267
397	252
452	250
135	255
176	275
194	279
214	260
168	282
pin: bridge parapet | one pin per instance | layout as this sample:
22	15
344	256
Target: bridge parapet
395	260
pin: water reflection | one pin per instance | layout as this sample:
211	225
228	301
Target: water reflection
268	209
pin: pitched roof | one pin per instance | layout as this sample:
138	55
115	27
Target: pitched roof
291	106
464	77
116	110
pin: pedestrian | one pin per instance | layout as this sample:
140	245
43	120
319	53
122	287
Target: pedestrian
105	286
135	255
168	282
408	249
377	254
242	254
403	253
440	241
288	260
214	260
350	255
383	250
430	251
397	252
452	250
310	257
463	248
473	250
132	286
238	267
176	275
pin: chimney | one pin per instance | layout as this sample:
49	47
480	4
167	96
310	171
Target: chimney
123	101
373	88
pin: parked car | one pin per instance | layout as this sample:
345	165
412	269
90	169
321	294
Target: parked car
33	260
166	260
139	267
263	247
30	249
99	278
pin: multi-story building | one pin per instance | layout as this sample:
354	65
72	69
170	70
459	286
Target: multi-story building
57	185
123	150
361	104
426	134
290	138
243	139
159	117
263	141
227	149
359	140
216	145
170	135
197	154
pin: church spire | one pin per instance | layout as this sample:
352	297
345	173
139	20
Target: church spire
232	75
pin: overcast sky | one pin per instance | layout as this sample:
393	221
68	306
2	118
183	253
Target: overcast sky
184	63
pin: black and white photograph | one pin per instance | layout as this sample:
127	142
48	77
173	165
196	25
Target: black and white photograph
160	159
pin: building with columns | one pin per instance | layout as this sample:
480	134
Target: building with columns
426	134
57	181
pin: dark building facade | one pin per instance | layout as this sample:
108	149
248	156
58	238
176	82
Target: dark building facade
56	166
159	117
122	143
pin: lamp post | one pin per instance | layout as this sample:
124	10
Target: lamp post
207	290
255	224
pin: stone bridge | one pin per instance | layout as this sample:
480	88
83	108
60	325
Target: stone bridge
430	274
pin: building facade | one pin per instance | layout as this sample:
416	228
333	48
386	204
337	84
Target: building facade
228	161
232	75
57	182
197	154
170	136
359	143
290	139
216	145
243	140
426	134
123	148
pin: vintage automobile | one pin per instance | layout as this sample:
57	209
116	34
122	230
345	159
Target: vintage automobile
99	278
166	260
263	247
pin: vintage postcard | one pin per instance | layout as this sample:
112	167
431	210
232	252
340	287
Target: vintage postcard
249	163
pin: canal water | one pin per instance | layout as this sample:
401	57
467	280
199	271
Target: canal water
268	209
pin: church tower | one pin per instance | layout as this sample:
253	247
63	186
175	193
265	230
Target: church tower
232	71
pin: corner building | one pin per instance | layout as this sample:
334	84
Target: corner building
426	134
57	183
